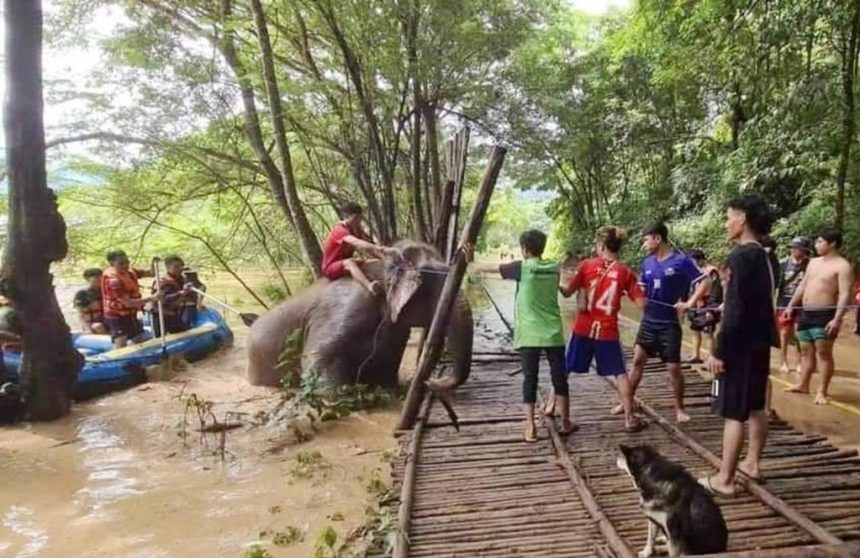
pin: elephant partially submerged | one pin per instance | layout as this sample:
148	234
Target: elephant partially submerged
350	336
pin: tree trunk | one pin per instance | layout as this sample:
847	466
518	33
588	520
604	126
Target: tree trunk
354	69
309	240
433	154
37	232
849	71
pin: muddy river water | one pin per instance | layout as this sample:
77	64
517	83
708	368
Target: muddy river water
115	479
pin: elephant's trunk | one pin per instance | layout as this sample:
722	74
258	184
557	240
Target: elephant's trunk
460	334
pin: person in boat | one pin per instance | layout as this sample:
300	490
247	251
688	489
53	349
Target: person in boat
340	246
193	303
604	281
88	302
825	293
538	327
122	300
10	327
176	295
703	318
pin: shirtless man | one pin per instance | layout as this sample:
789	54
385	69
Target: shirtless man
824	293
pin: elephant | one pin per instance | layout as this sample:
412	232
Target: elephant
352	336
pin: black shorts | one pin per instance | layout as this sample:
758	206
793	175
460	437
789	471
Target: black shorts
742	388
663	340
125	326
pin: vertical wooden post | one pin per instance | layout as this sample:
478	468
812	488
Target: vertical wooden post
436	333
458	192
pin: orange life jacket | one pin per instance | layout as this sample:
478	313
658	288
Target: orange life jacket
112	305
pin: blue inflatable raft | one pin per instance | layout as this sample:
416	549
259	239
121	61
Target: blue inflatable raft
107	369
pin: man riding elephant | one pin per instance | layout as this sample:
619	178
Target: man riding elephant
351	336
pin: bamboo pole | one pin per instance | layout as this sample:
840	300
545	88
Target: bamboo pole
407	490
607	529
435	335
457	196
777	504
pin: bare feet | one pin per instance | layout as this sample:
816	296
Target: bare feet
549	408
530	435
797	388
784	368
821	399
681	417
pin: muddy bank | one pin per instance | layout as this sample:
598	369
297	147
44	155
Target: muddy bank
115	479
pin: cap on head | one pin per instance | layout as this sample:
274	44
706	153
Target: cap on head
801	243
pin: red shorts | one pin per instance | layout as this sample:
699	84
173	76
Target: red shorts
334	270
784	323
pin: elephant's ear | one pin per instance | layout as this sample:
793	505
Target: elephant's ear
401	283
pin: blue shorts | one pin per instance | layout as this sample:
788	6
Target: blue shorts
607	353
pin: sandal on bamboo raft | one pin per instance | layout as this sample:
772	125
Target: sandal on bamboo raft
530	436
759	479
637	425
571	428
706	482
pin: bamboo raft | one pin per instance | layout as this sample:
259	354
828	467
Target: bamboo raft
485	492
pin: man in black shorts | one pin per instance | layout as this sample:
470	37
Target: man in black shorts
741	362
666	277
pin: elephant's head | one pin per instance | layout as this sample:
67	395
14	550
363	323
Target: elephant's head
413	286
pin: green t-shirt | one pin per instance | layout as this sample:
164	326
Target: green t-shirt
537	318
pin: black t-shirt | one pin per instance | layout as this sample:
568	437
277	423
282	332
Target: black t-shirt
748	316
790	276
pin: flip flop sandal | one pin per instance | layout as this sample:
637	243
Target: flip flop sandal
567	431
529	438
706	483
759	479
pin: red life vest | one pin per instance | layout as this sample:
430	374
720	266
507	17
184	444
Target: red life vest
114	285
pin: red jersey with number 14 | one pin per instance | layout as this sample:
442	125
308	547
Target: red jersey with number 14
604	283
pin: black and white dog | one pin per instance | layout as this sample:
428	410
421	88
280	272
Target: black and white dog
674	502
